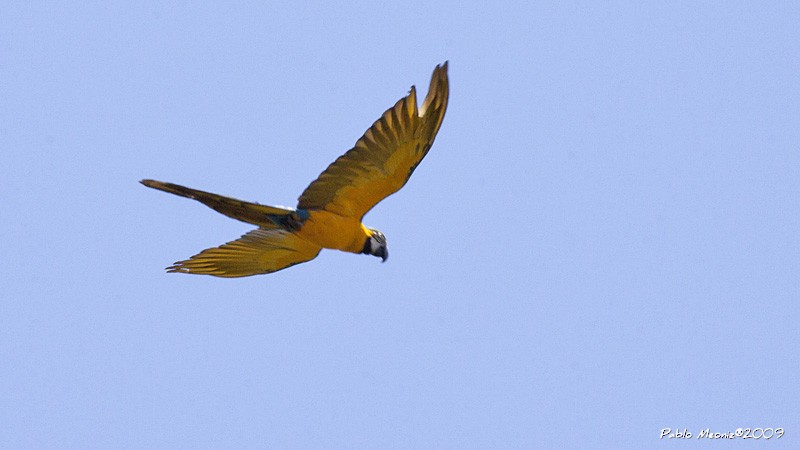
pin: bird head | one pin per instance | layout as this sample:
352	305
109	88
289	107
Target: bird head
376	245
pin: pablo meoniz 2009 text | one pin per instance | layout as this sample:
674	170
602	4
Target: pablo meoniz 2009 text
739	433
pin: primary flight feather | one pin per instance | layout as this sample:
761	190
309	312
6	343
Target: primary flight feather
330	210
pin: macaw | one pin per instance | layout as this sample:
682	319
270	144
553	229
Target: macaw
329	212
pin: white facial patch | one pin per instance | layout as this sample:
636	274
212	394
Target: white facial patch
374	244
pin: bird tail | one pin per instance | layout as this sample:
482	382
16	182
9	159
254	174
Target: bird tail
268	217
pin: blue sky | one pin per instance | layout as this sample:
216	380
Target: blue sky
602	243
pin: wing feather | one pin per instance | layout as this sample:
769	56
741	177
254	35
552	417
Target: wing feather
385	157
259	251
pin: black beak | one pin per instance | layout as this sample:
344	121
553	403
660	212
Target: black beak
383	252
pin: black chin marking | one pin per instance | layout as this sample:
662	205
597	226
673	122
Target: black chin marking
367	250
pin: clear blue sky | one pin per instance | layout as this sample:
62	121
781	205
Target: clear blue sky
603	241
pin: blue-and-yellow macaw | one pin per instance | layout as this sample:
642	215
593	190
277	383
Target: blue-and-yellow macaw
330	210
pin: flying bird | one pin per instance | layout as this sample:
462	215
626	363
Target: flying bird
329	212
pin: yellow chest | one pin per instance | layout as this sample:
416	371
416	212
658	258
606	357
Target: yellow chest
329	230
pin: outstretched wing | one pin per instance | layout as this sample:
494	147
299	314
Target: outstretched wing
261	215
259	251
384	158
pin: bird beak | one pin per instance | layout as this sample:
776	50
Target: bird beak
384	254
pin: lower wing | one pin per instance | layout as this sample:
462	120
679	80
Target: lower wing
259	251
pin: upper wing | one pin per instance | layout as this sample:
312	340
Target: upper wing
384	158
259	251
